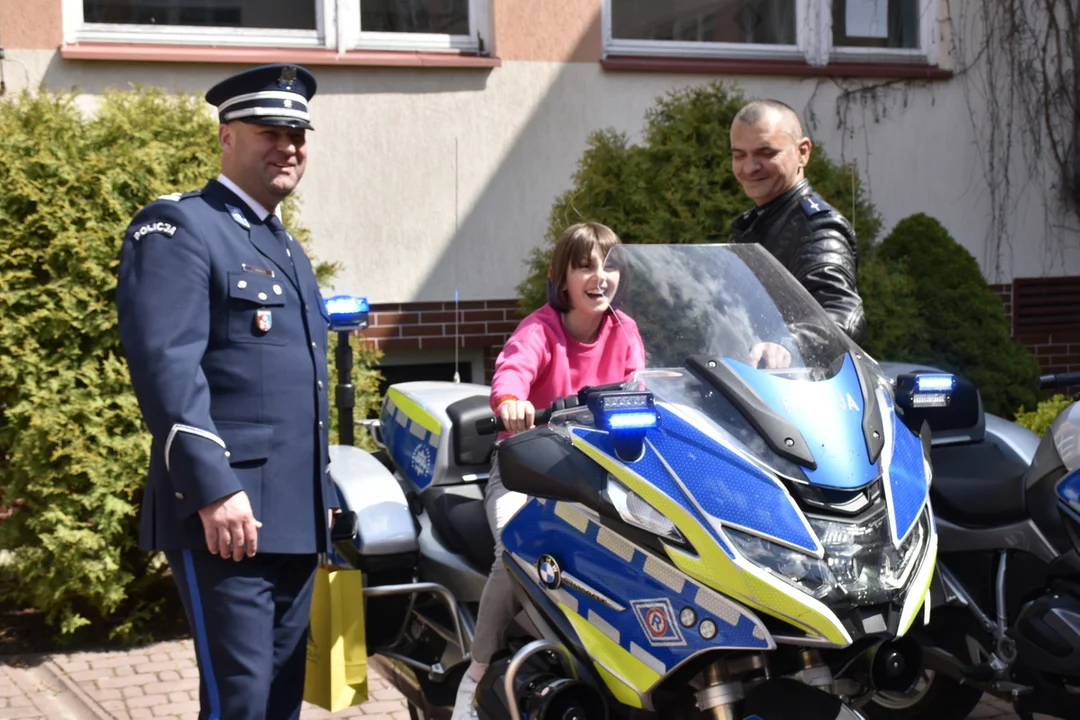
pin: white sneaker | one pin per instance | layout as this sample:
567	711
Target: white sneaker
464	707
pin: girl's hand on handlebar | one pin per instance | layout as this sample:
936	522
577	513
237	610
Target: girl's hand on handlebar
517	415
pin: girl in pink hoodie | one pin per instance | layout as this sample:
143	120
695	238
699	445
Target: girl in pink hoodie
576	340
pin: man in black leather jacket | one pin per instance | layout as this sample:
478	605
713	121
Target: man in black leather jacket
811	239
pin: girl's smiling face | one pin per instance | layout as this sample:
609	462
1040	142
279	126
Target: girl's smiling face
589	286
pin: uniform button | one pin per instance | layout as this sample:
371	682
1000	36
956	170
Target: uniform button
320	424
320	384
277	289
262	296
242	284
314	346
307	308
228	454
179	496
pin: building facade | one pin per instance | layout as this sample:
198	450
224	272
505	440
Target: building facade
445	129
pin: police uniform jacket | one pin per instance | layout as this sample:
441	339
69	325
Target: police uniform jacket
225	334
816	244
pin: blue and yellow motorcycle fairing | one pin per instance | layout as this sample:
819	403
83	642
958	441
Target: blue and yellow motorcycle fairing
779	510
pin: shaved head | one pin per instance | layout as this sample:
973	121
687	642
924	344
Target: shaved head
768	149
758	110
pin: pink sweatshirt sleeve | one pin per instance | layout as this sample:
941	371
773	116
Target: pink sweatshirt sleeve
522	359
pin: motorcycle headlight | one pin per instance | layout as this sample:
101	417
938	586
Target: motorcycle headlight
861	565
634	510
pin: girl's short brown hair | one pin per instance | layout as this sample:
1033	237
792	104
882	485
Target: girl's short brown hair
575	247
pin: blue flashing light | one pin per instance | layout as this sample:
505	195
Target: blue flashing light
346	305
636	420
624	410
347	312
935	383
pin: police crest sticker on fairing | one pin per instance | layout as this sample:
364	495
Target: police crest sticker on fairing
657	619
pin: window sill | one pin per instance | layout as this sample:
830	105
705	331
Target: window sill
133	52
797	68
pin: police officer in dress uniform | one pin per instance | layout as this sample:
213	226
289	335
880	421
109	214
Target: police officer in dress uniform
811	239
225	335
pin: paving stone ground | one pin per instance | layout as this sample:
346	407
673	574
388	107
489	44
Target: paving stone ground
161	681
158	681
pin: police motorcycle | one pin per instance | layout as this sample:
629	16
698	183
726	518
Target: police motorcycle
1006	597
706	540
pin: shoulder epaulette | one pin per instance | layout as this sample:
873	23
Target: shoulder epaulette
814	205
176	197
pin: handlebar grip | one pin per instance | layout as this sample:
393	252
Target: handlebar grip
1059	380
494	424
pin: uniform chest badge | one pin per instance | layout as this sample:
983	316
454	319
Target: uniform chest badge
236	214
264	320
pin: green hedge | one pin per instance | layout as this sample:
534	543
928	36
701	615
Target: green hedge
1039	419
965	329
73	448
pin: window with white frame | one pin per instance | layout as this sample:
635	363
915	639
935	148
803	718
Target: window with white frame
815	30
434	25
876	23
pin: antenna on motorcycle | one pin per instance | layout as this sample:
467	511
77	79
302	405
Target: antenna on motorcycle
457	228
457	337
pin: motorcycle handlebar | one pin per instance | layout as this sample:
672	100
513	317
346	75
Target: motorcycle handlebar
1059	380
494	424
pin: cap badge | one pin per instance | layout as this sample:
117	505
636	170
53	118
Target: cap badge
288	76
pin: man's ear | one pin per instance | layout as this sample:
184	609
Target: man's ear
804	147
225	137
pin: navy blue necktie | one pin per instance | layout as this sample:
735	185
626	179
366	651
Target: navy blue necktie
274	223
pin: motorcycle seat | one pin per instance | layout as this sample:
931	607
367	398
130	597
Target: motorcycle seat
462	524
976	484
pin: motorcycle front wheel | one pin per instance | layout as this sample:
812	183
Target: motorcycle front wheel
935	696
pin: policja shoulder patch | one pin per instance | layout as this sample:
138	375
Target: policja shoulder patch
160	228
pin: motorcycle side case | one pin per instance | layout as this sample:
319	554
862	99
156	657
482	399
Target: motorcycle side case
386	545
429	431
1053	482
385	526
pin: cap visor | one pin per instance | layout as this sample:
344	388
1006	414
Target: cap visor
278	122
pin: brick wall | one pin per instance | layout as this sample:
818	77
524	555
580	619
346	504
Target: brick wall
1045	315
1057	352
484	324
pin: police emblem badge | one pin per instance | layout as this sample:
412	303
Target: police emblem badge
288	76
264	320
238	216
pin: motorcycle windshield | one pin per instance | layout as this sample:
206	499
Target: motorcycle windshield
739	349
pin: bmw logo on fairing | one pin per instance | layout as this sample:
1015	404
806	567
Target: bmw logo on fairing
548	569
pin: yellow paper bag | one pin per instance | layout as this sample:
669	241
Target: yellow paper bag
336	676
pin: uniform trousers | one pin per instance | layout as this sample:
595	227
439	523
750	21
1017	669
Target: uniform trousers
249	620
